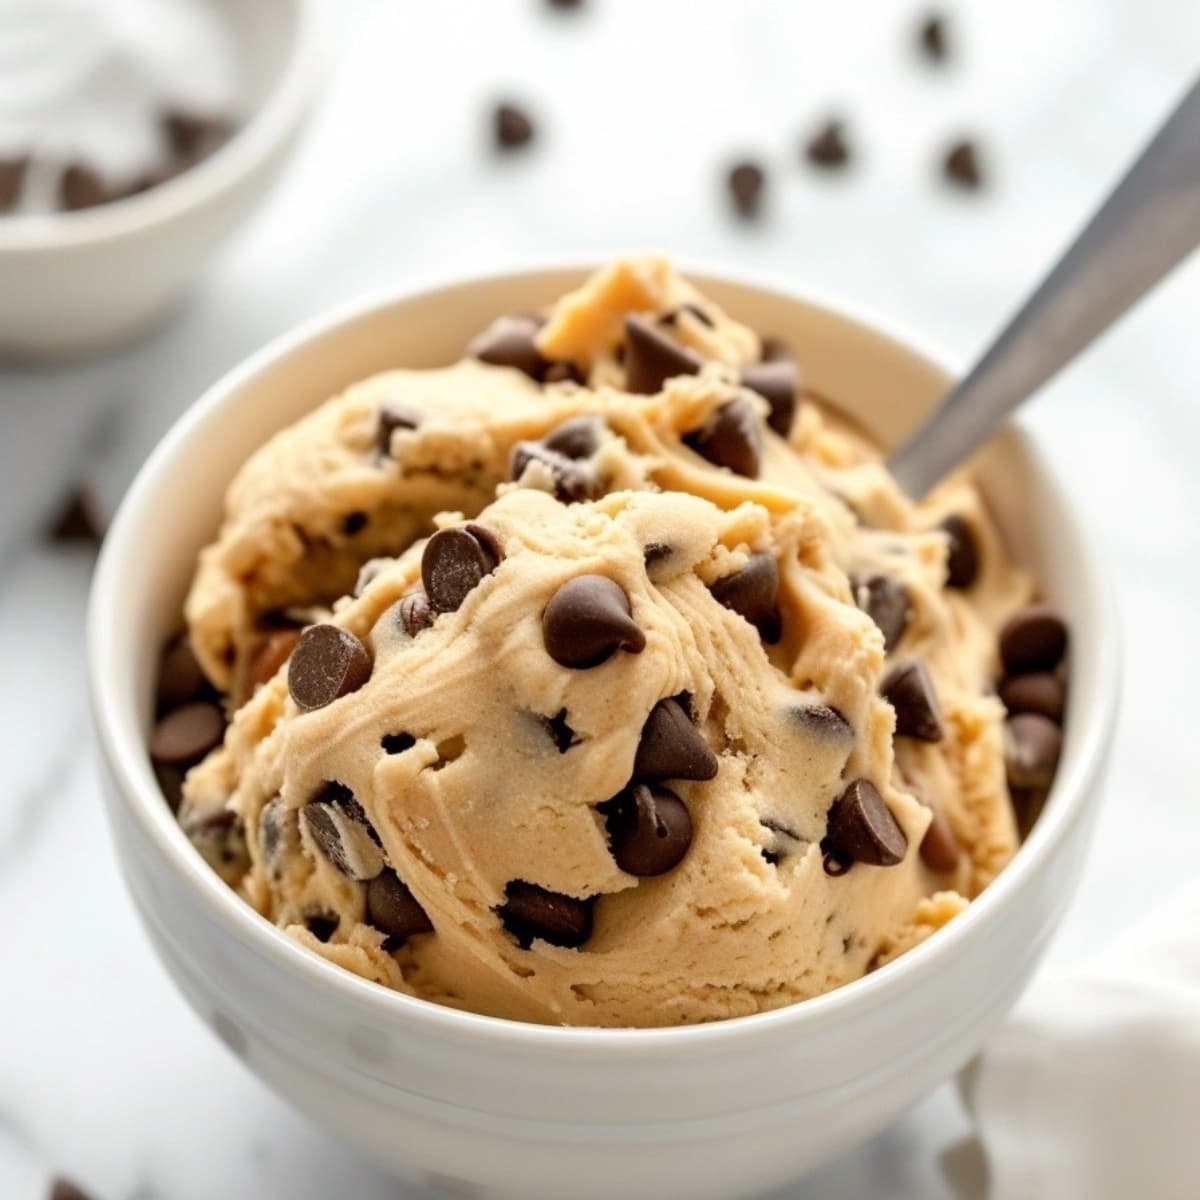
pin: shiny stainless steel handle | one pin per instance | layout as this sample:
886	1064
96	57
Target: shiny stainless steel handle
1148	224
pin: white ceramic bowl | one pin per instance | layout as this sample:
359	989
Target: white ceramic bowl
471	1102
84	281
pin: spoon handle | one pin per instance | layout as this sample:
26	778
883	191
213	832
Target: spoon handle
1148	224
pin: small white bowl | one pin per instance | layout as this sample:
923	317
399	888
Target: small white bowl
72	283
494	1107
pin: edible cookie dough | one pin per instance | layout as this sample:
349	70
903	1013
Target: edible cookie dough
604	677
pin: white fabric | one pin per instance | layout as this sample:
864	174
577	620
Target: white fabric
1091	1091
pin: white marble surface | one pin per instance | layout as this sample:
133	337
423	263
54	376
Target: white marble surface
104	1074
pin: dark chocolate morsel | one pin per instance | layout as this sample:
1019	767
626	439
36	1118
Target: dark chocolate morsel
578	437
671	747
393	909
651	357
860	828
328	662
511	342
931	38
885	600
939	847
338	824
453	564
1039	692
64	1189
777	382
530	912
1032	745
746	182
827	147
79	520
587	620
12	177
731	437
908	688
1033	639
561	733
573	481
962	555
649	829
961	165
415	614
511	126
391	418
180	677
751	593
775	349
186	734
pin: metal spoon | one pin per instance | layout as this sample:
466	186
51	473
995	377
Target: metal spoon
1149	223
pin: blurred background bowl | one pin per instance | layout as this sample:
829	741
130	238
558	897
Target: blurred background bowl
475	1106
84	281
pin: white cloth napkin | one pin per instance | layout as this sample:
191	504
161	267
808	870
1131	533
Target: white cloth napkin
1091	1091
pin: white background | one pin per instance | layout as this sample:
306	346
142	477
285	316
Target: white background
103	1072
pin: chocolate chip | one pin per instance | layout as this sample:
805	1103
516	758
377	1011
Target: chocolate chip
731	437
414	613
1033	639
561	734
339	826
931	38
393	909
80	520
322	926
12	177
578	437
962	555
827	147
328	662
1039	692
649	829
532	912
185	735
354	522
511	126
170	783
746	182
777	383
671	747
180	676
961	165
908	688
822	720
587	620
751	593
885	600
1032	745
860	828
510	342
651	357
64	1189
565	5
194	135
391	418
454	563
573	481
939	848
82	187
274	651
397	743
775	349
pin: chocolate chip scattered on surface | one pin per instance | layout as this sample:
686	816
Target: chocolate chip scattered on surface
512	127
747	183
531	912
652	357
962	166
455	563
671	747
650	829
862	829
908	688
886	601
827	147
731	437
752	592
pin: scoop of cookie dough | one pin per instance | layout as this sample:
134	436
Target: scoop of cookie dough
622	700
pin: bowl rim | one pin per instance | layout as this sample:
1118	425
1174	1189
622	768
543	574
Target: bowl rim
124	751
269	124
